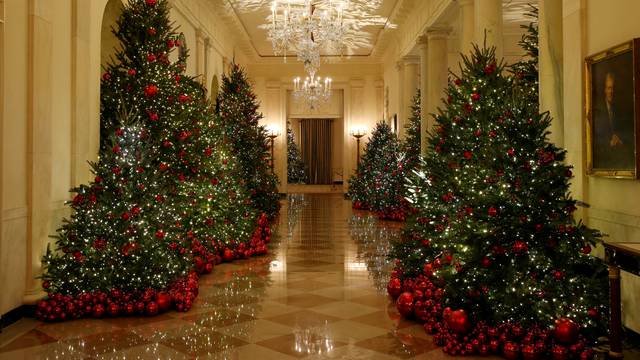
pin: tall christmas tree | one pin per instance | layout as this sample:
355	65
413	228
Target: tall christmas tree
238	108
136	229
494	236
295	165
411	144
378	184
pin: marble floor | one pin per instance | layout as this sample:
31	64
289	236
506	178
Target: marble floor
320	293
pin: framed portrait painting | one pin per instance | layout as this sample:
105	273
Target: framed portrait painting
612	111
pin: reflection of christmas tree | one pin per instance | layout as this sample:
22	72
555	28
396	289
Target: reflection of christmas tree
494	224
295	165
374	241
295	204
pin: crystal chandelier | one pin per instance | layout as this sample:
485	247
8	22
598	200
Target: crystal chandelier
313	91
306	26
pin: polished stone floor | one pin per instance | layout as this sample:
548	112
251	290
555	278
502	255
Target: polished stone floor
320	293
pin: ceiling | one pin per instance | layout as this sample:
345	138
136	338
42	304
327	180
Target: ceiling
368	19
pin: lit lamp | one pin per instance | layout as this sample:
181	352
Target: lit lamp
272	133
358	132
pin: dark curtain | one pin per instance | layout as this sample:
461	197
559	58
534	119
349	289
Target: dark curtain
315	138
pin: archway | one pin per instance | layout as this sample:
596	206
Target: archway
108	41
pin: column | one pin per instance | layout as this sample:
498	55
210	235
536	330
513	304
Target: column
200	40
424	54
573	52
550	66
411	68
225	65
400	95
488	20
467	28
39	143
207	64
437	73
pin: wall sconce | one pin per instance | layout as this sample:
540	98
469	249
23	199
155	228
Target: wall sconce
358	132
273	132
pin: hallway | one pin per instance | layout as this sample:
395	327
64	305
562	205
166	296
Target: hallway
320	293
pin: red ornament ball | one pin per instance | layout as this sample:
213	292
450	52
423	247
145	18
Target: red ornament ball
529	352
150	91
511	350
228	255
458	321
405	304
129	309
163	300
566	331
97	311
114	309
394	287
586	249
593	313
492	211
151	3
560	352
152	308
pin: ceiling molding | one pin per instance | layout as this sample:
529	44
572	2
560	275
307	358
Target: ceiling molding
236	28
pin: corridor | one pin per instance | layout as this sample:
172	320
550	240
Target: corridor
320	293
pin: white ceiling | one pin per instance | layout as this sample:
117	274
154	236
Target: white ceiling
368	18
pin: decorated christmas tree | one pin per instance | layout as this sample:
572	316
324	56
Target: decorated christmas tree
238	108
411	144
493	260
295	165
378	185
161	200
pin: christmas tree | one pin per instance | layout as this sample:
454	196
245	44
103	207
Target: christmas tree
238	107
494	236
295	165
411	145
378	184
155	207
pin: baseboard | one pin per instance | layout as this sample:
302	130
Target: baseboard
16	314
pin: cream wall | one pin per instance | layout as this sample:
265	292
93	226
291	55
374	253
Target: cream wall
50	101
589	27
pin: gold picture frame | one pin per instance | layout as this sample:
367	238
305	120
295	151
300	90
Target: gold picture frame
612	100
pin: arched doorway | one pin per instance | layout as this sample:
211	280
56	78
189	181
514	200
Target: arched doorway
108	41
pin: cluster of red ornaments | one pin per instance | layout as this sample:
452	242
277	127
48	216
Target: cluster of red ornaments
421	299
359	205
394	214
179	295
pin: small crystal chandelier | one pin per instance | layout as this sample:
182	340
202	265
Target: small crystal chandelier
313	91
306	26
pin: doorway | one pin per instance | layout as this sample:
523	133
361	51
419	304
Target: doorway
316	143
